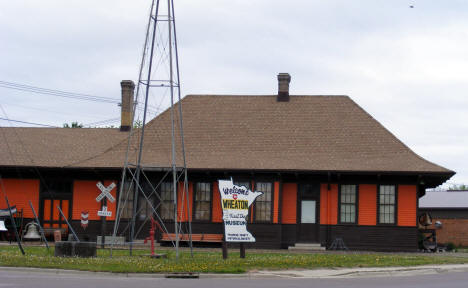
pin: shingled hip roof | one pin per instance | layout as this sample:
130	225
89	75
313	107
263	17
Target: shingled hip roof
308	133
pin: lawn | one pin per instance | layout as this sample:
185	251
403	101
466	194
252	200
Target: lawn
204	261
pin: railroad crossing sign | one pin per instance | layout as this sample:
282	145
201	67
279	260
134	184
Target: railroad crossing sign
105	192
104	212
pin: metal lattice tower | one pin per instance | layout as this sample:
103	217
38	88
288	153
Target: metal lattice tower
158	87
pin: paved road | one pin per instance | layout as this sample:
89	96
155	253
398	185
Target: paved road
51	280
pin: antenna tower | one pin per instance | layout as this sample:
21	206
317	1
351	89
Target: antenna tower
158	88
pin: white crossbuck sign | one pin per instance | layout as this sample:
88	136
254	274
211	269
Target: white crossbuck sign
104	212
105	192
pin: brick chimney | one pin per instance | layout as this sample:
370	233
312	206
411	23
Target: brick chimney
283	87
128	88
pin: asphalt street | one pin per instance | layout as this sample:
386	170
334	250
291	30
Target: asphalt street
11	278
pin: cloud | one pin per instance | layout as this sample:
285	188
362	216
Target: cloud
406	67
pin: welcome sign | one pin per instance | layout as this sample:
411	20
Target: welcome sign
235	201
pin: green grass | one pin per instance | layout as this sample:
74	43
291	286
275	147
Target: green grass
204	261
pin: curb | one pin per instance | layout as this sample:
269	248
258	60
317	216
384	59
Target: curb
120	274
316	273
364	272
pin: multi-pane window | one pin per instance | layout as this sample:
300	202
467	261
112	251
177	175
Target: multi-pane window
127	199
145	210
387	204
167	201
263	202
146	201
348	204
202	203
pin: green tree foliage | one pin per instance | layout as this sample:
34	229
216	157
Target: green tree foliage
455	187
138	124
73	125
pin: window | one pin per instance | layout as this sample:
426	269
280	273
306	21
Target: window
145	210
167	201
263	202
348	204
127	199
387	201
202	203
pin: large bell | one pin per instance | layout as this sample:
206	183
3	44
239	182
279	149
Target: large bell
425	219
32	231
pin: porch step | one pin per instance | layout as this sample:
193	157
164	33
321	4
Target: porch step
306	247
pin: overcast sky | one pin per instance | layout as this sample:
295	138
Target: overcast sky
408	67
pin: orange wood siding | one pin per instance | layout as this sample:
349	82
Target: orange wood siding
289	204
56	214
217	212
46	212
407	201
367	204
275	202
182	211
181	203
84	199
19	192
329	204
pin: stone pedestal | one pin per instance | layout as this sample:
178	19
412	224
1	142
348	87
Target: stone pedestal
75	249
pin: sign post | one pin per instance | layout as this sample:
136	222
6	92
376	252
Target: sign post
235	202
104	196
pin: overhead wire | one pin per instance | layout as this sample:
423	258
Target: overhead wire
59	93
25	122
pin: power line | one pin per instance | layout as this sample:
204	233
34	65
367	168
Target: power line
72	95
102	122
25	122
59	93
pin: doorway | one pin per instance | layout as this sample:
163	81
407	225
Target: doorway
308	208
54	194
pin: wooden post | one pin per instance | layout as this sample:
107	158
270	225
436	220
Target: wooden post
242	250
225	251
103	223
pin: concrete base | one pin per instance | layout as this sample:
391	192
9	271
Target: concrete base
307	247
109	240
75	249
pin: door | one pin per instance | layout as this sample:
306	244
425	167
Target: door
308	213
51	217
55	193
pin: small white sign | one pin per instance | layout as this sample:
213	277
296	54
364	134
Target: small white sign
105	192
104	212
235	202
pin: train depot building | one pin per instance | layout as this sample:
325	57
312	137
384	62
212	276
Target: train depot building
327	170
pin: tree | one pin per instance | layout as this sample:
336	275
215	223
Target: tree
73	125
138	124
460	187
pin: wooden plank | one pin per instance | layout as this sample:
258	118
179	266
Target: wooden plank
195	237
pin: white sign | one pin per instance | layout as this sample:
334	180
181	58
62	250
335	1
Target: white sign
104	212
105	192
235	201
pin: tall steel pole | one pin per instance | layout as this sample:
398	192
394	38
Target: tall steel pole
181	127
140	151
171	81
124	170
